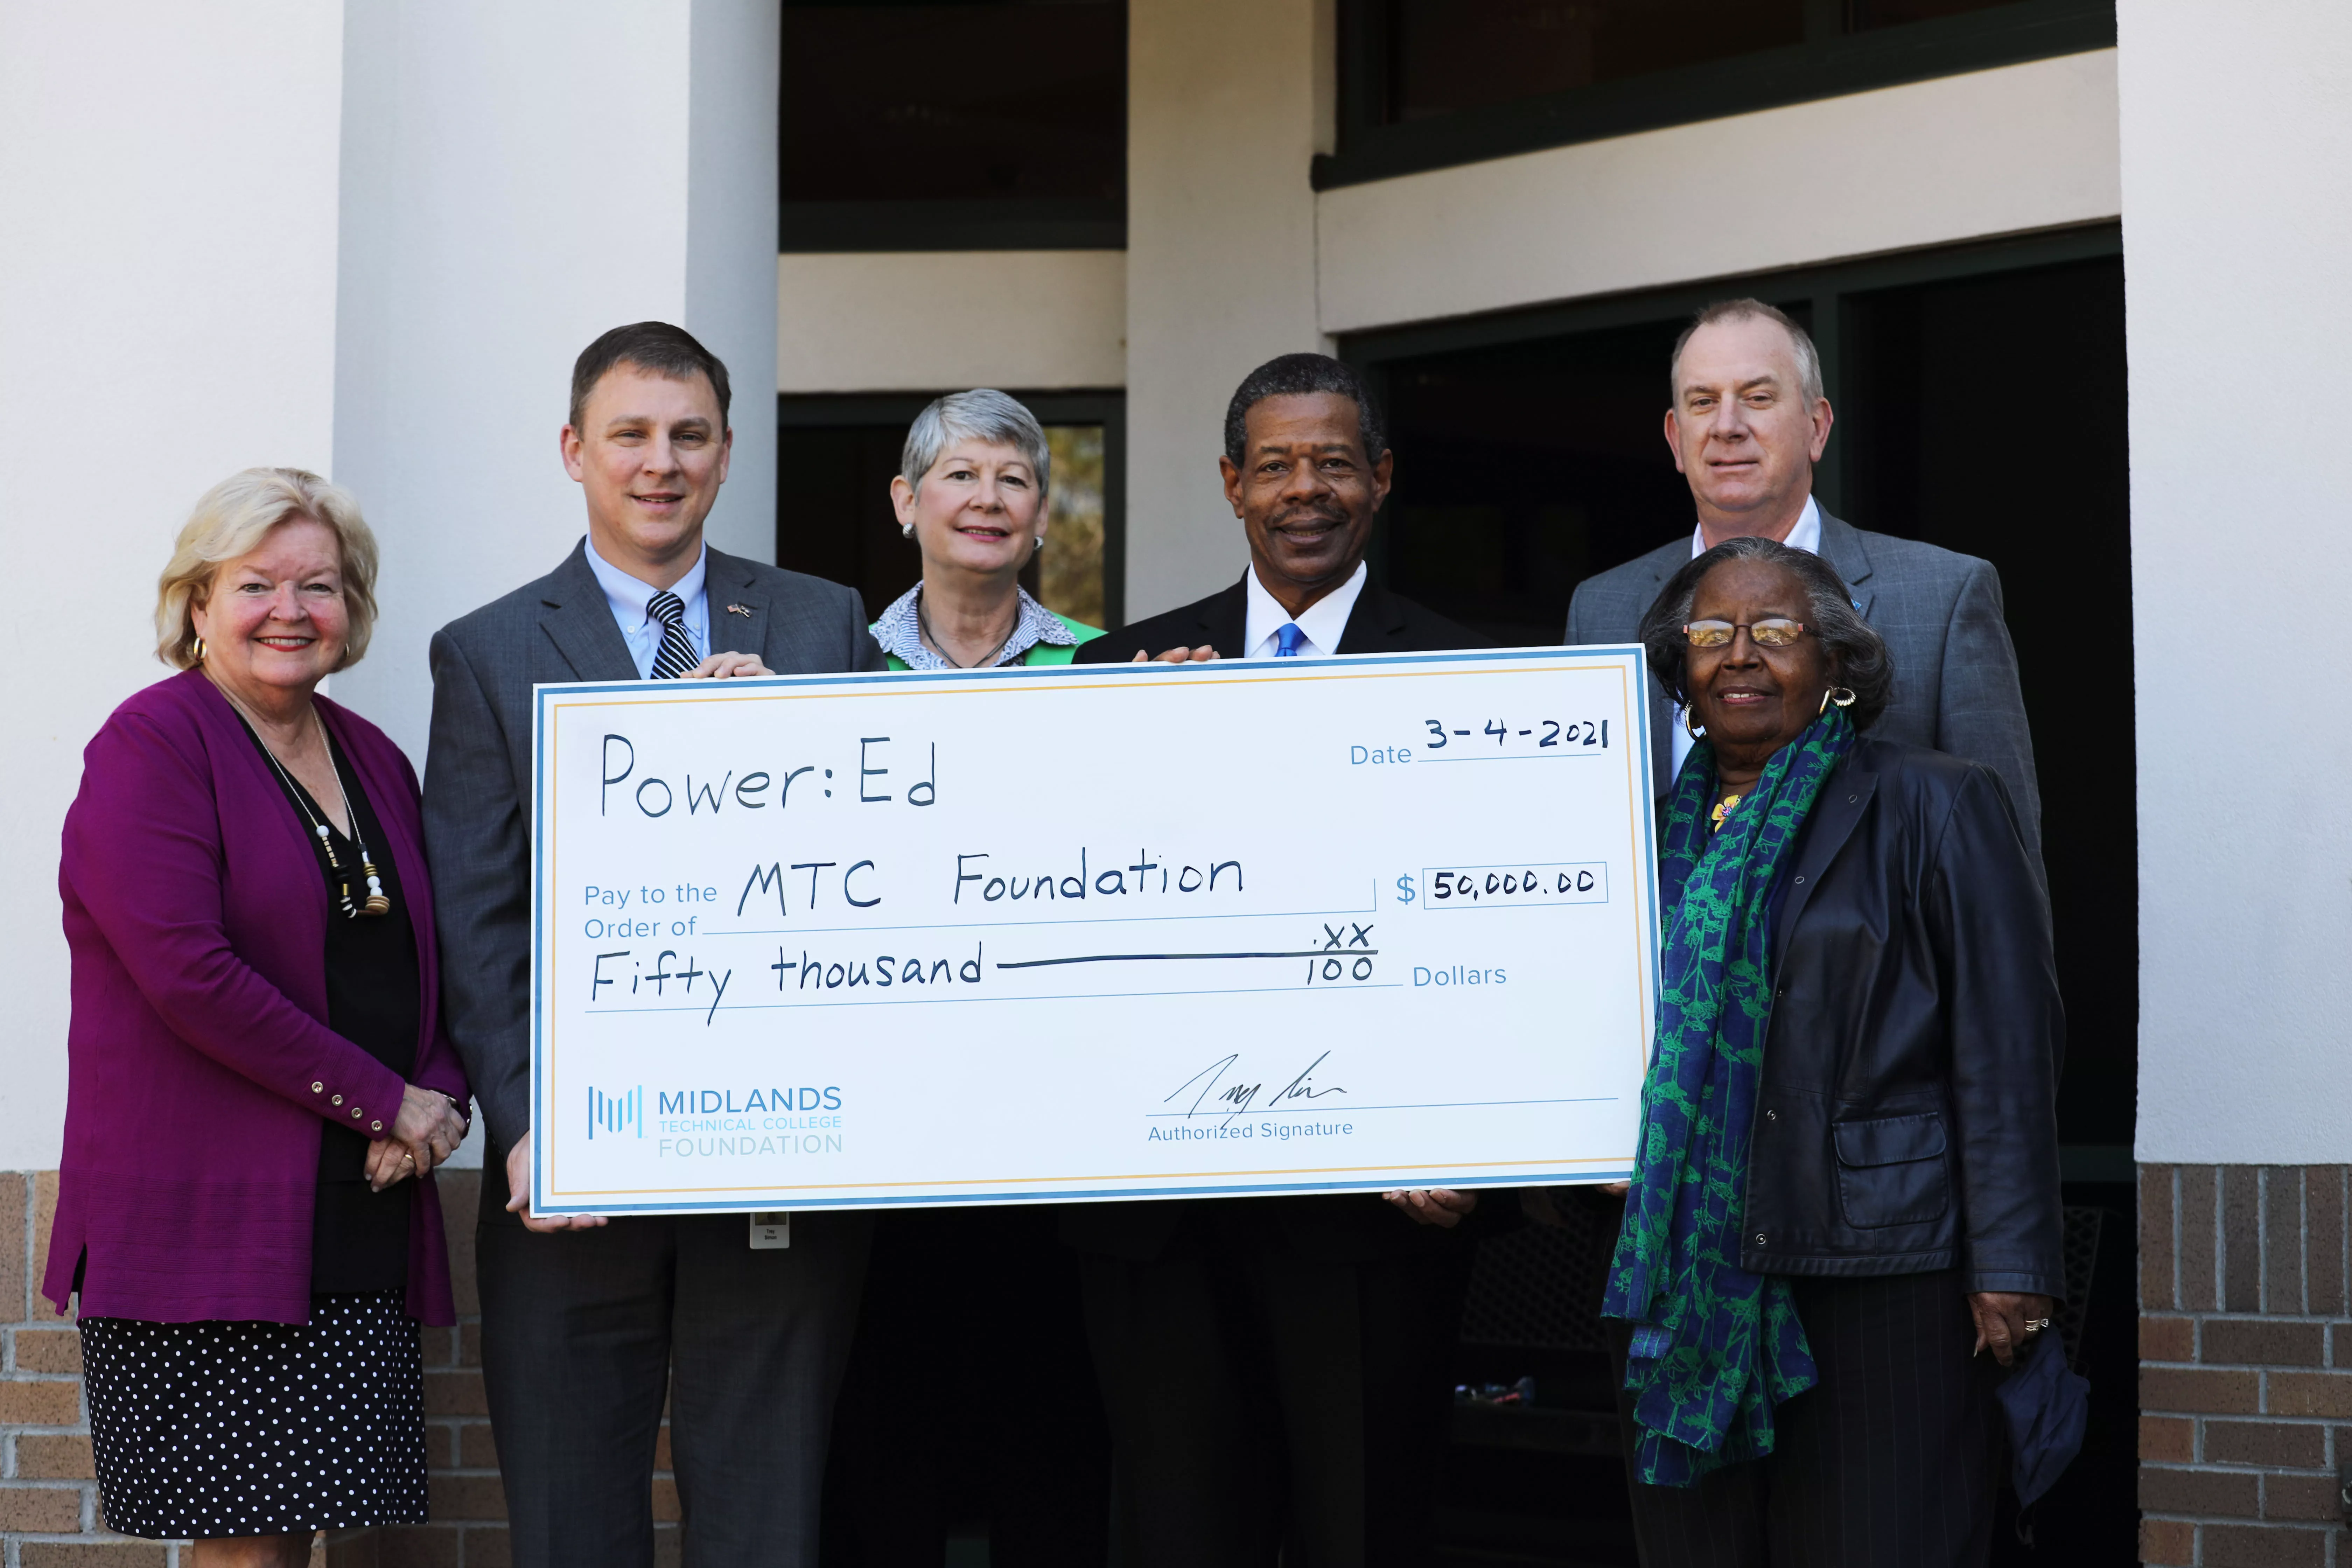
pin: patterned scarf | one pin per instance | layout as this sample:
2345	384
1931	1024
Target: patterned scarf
1715	1347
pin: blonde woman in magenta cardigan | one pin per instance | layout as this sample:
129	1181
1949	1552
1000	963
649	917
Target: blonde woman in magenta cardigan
259	1084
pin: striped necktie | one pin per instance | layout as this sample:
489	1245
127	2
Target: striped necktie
1286	639
676	655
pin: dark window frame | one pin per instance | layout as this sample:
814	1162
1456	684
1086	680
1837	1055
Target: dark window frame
810	228
1105	406
1830	63
1820	288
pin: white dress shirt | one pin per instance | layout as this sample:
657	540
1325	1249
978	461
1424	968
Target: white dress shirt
1325	622
1805	536
630	600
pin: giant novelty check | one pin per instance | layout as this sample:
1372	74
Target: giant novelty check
1091	933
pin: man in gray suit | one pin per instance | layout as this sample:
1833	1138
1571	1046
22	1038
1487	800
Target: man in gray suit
587	1326
1747	423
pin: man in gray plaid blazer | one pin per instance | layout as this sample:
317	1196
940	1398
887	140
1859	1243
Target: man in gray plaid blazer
588	1325
1748	422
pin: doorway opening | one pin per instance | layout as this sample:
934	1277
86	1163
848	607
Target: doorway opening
1979	394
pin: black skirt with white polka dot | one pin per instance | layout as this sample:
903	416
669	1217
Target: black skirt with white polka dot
242	1428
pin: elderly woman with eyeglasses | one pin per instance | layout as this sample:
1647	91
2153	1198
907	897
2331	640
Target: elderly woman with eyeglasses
1846	1185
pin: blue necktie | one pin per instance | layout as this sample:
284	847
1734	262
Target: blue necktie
1286	640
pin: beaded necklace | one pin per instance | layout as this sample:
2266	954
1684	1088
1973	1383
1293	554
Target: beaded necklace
377	903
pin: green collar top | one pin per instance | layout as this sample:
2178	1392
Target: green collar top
1039	636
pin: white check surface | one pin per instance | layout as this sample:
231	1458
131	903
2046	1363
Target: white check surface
1091	933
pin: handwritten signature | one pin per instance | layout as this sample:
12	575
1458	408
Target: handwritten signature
1221	1091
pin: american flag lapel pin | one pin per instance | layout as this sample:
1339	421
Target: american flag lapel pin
742	610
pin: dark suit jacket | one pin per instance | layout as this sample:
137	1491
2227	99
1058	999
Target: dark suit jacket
477	772
1380	622
1955	668
1346	1225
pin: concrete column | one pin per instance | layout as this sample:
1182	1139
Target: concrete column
517	178
1228	101
167	299
735	60
2237	182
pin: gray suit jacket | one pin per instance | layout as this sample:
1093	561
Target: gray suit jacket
1955	669
477	772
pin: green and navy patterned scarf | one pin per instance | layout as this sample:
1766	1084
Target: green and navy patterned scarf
1715	1347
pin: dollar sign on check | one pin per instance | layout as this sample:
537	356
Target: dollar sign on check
1404	890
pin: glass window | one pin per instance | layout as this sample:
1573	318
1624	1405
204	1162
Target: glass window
1449	54
1069	570
1428	84
999	105
1524	467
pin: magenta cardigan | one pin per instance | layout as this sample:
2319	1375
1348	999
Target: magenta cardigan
200	1062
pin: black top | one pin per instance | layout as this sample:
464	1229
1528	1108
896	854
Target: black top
359	1237
1908	1103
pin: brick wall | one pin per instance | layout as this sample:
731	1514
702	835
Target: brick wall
48	1499
2246	1364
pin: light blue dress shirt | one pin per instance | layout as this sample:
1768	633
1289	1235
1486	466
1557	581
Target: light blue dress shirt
630	599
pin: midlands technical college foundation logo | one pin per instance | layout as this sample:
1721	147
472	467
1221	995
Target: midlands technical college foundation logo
618	1115
622	1115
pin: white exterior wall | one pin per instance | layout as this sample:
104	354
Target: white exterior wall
2237	174
926	320
167	317
1957	158
1228	101
517	178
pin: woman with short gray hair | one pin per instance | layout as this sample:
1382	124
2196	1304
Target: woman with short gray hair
971	494
971	1313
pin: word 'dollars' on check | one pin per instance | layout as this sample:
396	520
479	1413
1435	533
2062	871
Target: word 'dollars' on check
1346	924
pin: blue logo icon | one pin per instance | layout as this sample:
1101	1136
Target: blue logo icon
616	1113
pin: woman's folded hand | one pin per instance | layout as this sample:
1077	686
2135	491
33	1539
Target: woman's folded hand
425	1134
389	1161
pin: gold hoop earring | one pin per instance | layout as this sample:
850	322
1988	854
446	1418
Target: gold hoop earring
199	650
1698	730
1842	696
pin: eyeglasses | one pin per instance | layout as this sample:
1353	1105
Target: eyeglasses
1774	632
